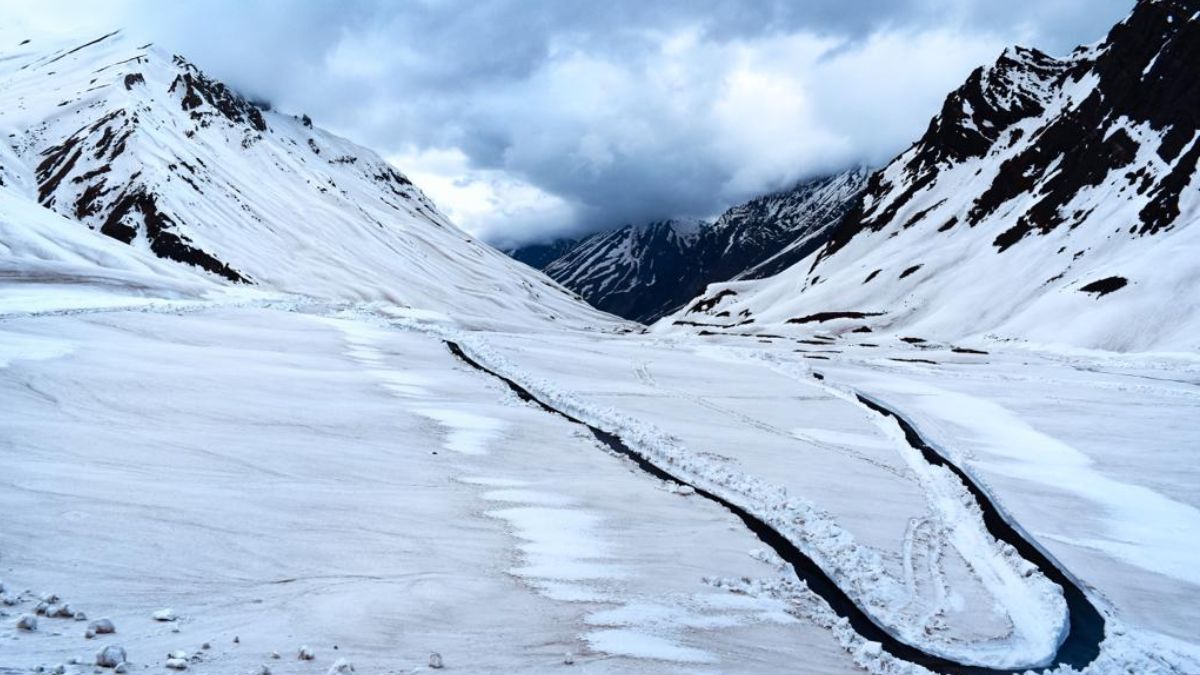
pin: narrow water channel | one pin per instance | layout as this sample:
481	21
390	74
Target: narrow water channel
1079	648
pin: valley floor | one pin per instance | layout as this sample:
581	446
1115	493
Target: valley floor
334	477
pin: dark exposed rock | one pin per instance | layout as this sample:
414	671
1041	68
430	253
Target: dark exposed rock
965	350
58	162
137	210
196	90
821	317
705	304
1103	287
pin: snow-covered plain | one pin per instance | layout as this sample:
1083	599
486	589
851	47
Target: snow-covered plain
292	474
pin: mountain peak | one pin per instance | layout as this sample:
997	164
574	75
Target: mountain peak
145	148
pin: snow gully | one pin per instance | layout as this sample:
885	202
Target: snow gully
1080	647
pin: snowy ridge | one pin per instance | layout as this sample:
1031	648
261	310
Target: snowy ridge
142	147
645	272
1045	188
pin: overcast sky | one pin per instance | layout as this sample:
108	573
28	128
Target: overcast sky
525	120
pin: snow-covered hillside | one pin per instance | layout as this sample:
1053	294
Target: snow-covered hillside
141	146
644	272
1051	199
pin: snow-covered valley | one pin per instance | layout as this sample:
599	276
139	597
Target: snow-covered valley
264	408
297	474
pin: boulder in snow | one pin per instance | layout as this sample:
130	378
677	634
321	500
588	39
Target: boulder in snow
341	667
177	664
166	614
27	622
435	660
110	656
306	653
102	626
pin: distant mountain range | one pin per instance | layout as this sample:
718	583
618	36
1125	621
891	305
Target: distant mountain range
645	272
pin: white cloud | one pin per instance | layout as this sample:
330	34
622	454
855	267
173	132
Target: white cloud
487	203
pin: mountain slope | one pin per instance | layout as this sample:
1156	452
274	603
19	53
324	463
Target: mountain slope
1044	189
642	273
634	271
143	147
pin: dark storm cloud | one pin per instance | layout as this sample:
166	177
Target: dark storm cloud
614	111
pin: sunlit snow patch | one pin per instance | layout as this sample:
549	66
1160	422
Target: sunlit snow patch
634	643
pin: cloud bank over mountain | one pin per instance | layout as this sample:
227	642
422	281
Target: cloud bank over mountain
530	120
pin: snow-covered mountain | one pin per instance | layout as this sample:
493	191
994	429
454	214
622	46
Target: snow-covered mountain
634	271
141	147
645	272
1051	199
770	233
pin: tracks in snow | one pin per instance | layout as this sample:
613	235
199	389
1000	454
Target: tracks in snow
1080	647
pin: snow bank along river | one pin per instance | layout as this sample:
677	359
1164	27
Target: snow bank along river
1078	647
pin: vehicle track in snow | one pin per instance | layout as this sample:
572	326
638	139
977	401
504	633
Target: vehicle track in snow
1080	647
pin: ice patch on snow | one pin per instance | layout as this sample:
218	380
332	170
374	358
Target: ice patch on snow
532	497
559	544
468	433
625	642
